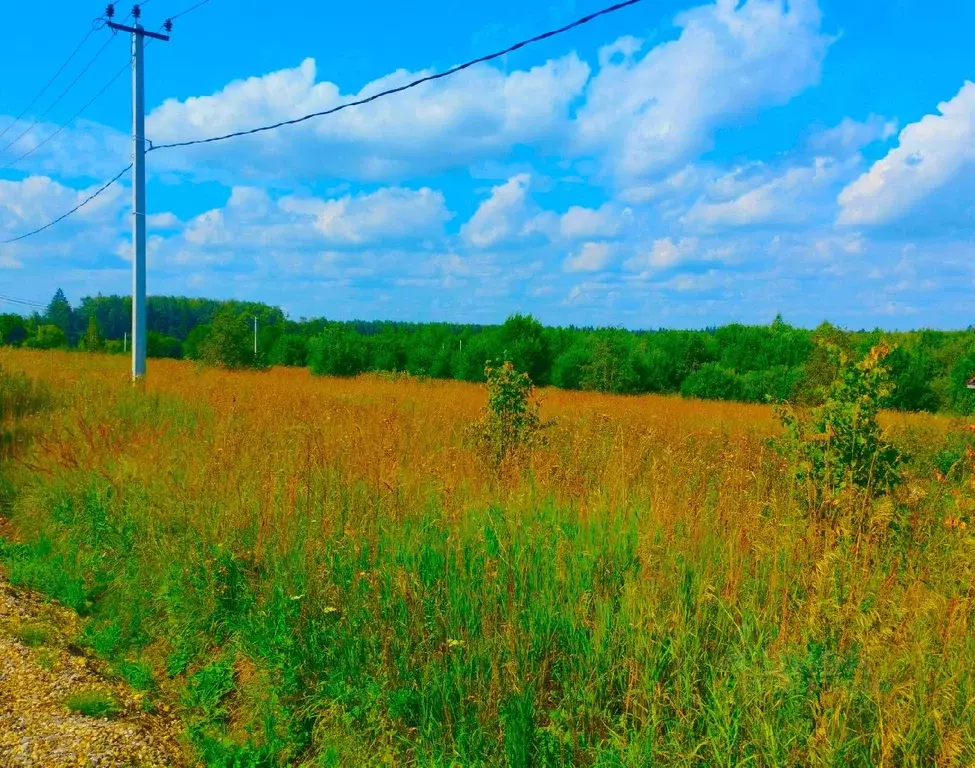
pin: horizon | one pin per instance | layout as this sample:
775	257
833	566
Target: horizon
674	165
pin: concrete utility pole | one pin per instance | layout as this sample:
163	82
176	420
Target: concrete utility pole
255	337
138	185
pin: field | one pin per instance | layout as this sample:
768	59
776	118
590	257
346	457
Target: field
325	572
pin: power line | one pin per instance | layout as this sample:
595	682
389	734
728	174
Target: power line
78	207
407	86
74	117
63	94
91	101
22	302
94	27
389	92
188	10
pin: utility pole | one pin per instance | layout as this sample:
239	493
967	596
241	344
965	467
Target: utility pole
255	337
125	342
138	183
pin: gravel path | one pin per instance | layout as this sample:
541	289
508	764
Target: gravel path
39	669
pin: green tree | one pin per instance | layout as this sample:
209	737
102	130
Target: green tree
92	340
229	343
337	352
160	345
47	337
712	382
289	349
58	312
522	340
13	330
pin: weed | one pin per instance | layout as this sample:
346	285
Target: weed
33	635
93	704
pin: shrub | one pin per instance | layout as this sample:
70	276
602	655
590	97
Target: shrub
712	382
510	420
229	343
337	352
47	337
839	447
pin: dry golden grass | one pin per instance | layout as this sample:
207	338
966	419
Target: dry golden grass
645	589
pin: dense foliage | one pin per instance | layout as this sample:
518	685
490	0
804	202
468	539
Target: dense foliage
774	363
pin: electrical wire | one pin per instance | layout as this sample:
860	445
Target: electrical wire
74	117
481	59
189	10
63	94
94	27
22	302
91	101
78	207
407	86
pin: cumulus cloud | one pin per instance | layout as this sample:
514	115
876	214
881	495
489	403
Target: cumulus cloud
790	196
293	230
509	213
84	148
605	221
393	213
591	257
933	155
664	253
479	113
649	114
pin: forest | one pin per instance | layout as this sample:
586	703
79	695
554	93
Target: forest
778	362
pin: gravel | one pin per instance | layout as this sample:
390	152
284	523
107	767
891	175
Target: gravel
37	729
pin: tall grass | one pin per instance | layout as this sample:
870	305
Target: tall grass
325	573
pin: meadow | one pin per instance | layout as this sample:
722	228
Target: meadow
324	571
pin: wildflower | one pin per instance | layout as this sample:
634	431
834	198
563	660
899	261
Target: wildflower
956	522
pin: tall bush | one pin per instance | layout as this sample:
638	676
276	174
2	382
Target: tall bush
839	448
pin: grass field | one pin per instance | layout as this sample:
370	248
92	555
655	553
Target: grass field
323	572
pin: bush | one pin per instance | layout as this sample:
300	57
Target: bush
229	343
289	349
160	345
510	421
337	352
47	337
839	447
712	382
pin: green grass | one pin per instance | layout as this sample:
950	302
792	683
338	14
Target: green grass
92	704
706	623
33	635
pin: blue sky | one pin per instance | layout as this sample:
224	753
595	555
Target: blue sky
676	164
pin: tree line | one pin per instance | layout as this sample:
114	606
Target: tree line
768	363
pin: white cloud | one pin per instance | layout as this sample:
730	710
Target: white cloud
165	220
37	200
591	257
664	253
578	222
388	214
85	148
509	213
933	155
787	198
651	114
479	113
850	136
